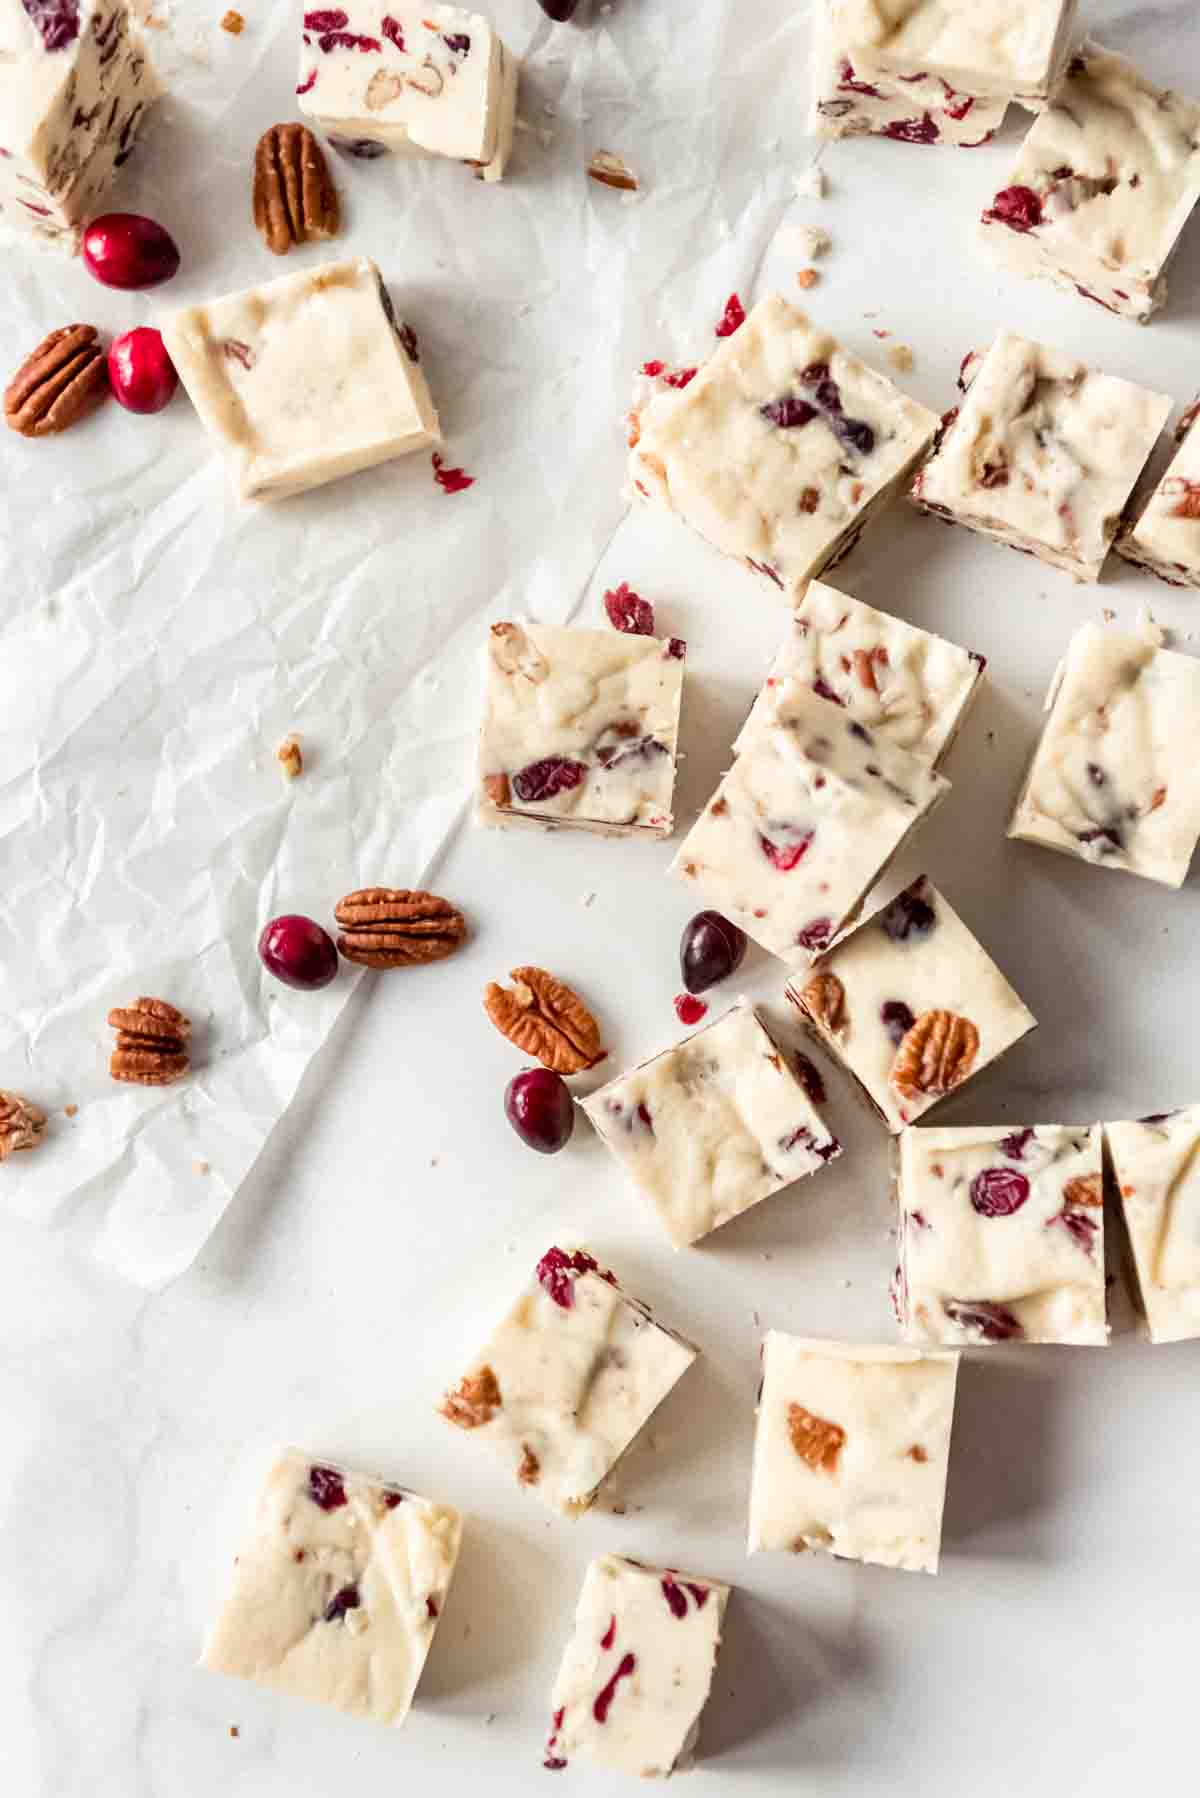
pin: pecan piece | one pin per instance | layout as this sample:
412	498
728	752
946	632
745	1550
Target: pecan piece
824	999
817	1441
386	927
290	757
63	381
22	1124
545	1019
152	1043
1084	1190
295	200
612	171
530	1470
497	789
935	1055
475	1401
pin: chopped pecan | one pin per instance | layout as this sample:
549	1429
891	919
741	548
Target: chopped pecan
545	1019
918	1454
385	927
152	1043
290	757
612	171
475	1402
383	87
530	1470
63	381
498	790
864	668
817	1441
935	1055
233	23
1084	1190
295	200
22	1124
428	79
824	999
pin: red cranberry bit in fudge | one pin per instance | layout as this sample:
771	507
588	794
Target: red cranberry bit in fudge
610	1634
557	1273
345	1600
1014	1146
393	32
733	317
604	1698
1081	1227
325	1488
816	935
543	780
1017	207
908	915
670	377
803	1138
789	854
808	1074
450	480
554	1763
57	21
995	1323
998	1192
628	611
896	1019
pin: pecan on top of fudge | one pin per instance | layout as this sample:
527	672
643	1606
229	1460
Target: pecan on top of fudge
1156	1171
1165	538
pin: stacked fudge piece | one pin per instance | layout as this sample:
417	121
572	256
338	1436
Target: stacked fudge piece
1165	536
1155	1166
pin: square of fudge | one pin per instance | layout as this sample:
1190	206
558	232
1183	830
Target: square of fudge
905	685
304	379
1166	535
780	448
854	95
419	80
75	85
337	1589
1042	454
1102	188
638	1669
851	1448
712	1126
1156	1170
1114	779
804	823
911	1005
580	728
1001	1235
568	1380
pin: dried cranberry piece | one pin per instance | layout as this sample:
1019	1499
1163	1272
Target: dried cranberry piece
604	1698
733	317
306	87
710	949
431	1608
995	1323
803	1138
699	1593
908	915
348	40
913	131
392	1499
393	31
789	856
676	1599
1082	1227
957	105
897	1019
689	1010
849	79
855	432
823	690
998	1192
542	780
607	1639
788	413
809	1076
328	18
627	611
458	43
56	20
816	935
325	1488
345	1600
554	1763
557	1272
451	480
1017	207
676	649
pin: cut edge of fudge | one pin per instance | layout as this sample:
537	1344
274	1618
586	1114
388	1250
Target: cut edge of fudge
1129	543
1162	1316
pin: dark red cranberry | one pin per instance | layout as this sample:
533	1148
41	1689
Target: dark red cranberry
788	413
547	778
298	952
854	432
1082	1227
306	87
913	131
816	935
128	250
823	690
785	857
458	43
393	31
604	1698
431	1607
325	1488
451	480
710	949
897	1019
676	649
733	317
1017	207
345	1600
348	40
328	18
998	1192
995	1323
610	1634
910	915
850	80
540	1110
627	611
365	148
688	1010
140	371
699	1593
392	1499
809	1076
676	1598
559	10
56	20
1014	1146
957	105
803	1138
553	1762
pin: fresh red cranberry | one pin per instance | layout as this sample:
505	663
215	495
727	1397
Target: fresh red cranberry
809	1076
710	949
140	371
1014	1146
897	1019
1017	207
539	1108
627	611
604	1698
325	1488
345	1600
451	480
789	856
298	952
554	774
788	413
56	20
995	1323
1081	1227
557	1272
913	131
128	250
909	915
559	10
688	1010
998	1192
733	317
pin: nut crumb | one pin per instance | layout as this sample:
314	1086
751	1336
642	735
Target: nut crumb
233	23
234	1731
816	242
901	358
808	277
290	758
612	171
201	1167
812	184
70	1111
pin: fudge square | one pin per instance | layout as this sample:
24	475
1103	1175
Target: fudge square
712	1126
1001	1235
75	85
338	1589
1102	188
1042	454
804	823
568	1380
638	1669
851	1450
904	684
781	448
305	379
1156	1170
1114	778
852	100
911	1005
1166	537
580	728
421	80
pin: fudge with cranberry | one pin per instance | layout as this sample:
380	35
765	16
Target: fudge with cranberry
780	448
1114	778
804	823
911	1005
580	729
638	1670
1001	1235
1164	536
338	1589
568	1380
418	80
75	84
904	684
1156	1171
714	1125
304	379
851	1450
1042	454
1102	188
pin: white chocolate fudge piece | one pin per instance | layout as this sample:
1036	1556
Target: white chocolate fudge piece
1042	454
911	1005
1001	1235
338	1589
851	1450
1000	50
580	728
1166	536
920	107
804	824
712	1126
638	1670
907	686
303	380
424	80
1114	778
1102	188
568	1380
75	83
780	448
1156	1168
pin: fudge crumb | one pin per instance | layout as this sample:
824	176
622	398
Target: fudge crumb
808	277
900	357
233	23
816	242
70	1111
289	757
811	185
201	1167
1108	614
876	332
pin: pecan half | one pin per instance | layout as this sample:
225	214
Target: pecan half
824	999
935	1055
295	200
612	171
152	1043
817	1441
475	1401
63	381
22	1124
1084	1190
386	927
545	1019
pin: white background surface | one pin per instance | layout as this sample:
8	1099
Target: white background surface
393	1212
